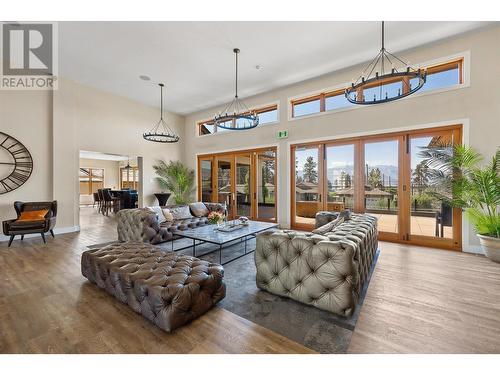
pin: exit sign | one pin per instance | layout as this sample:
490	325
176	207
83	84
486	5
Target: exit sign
282	134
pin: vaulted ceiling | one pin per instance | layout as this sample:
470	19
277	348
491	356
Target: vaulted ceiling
196	62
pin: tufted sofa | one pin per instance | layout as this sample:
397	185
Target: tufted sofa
325	271
168	289
143	225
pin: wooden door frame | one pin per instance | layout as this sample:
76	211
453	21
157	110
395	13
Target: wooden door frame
358	155
255	203
321	166
231	206
250	155
212	177
253	154
135	184
386	236
455	243
404	171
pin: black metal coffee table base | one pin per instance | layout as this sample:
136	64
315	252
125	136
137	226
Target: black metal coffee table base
228	241
219	248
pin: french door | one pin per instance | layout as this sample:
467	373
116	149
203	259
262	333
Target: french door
383	175
245	181
430	221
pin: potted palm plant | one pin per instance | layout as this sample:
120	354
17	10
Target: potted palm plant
177	179
475	188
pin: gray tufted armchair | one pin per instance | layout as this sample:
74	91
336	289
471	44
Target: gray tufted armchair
327	271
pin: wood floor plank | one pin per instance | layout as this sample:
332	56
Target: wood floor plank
47	306
424	300
419	301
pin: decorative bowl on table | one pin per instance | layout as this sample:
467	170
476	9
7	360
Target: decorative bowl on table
243	220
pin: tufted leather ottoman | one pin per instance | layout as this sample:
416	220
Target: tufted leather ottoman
166	288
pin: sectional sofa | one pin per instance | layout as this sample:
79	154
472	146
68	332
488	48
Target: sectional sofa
326	270
151	226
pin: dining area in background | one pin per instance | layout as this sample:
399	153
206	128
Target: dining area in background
108	200
108	182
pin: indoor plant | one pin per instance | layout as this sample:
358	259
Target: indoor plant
176	178
475	188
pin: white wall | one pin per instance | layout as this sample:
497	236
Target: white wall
27	116
104	122
478	104
55	126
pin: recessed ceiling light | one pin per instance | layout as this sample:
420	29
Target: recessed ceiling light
145	78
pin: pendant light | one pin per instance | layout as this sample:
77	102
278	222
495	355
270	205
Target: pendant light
236	115
382	71
161	132
128	166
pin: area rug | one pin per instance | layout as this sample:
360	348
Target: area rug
319	330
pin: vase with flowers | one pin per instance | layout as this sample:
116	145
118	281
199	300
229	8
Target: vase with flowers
216	218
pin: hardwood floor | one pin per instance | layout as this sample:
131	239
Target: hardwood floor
419	301
424	300
47	306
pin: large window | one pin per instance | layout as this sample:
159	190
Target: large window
129	178
267	115
307	106
91	179
438	76
244	180
443	75
386	176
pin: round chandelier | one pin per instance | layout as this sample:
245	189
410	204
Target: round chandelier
383	71
236	115
161	132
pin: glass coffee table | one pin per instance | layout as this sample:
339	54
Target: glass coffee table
208	234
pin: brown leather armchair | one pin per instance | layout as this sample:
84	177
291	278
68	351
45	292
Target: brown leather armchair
14	227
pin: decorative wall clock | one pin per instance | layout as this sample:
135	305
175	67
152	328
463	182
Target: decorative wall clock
16	163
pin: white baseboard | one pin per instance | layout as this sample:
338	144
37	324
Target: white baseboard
63	230
472	249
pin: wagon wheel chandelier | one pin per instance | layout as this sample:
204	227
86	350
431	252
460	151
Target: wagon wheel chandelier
236	115
161	132
378	76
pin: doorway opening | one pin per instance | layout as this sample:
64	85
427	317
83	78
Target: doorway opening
107	183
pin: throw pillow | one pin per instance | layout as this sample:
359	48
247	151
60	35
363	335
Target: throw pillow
328	227
199	209
346	214
37	215
181	212
167	214
217	207
158	211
